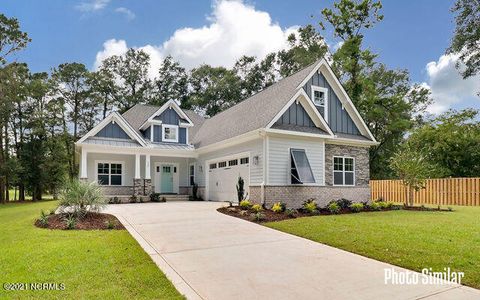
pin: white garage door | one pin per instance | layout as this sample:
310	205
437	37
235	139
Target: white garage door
223	178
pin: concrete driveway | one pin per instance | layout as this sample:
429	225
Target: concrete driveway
209	255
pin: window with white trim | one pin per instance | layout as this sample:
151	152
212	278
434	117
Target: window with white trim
213	166
109	173
192	174
169	133
244	160
222	164
233	162
319	95
343	170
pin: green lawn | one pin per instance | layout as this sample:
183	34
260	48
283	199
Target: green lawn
411	239
91	264
11	193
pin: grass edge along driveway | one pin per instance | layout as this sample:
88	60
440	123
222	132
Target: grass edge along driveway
409	239
98	264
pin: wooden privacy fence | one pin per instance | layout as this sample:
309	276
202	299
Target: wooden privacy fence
442	191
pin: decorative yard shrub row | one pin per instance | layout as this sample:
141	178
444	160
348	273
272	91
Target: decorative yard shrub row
278	211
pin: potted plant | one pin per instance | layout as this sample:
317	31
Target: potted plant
240	188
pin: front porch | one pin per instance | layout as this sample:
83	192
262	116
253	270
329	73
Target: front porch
125	173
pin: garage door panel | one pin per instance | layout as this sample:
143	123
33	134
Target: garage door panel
222	181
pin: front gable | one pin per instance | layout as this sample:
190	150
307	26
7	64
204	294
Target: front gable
333	111
295	115
113	130
339	111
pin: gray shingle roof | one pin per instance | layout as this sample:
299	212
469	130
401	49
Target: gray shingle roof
252	113
138	114
197	121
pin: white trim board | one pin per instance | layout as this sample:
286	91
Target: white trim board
169	104
114	116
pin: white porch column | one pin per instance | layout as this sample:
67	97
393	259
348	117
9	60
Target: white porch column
83	166
137	166
147	166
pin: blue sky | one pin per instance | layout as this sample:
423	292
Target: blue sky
413	35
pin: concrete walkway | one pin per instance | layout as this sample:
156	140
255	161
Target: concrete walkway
209	255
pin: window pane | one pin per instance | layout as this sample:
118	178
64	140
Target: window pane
103	168
116	180
233	162
338	178
319	98
103	180
338	163
192	170
192	180
244	160
116	169
302	166
213	166
170	133
348	164
222	164
348	178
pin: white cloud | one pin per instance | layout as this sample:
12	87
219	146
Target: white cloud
93	5
234	29
128	13
448	87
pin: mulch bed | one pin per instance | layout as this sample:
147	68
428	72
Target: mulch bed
270	216
92	221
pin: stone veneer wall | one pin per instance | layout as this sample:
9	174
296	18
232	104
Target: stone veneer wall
294	195
117	190
362	164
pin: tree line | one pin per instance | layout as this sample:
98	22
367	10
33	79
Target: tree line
43	114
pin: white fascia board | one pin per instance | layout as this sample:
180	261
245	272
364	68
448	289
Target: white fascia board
351	142
114	116
246	137
191	153
273	131
168	104
311	110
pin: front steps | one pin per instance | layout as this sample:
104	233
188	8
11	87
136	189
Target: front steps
174	197
115	199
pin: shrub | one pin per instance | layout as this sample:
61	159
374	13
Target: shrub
195	191
389	204
43	218
70	221
110	224
245	204
80	197
116	200
375	206
344	203
155	197
310	206
258	216
133	199
333	207
256	208
292	213
278	207
356	207
382	205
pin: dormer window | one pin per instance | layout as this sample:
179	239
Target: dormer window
170	133
319	95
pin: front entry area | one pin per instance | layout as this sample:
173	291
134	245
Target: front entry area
166	178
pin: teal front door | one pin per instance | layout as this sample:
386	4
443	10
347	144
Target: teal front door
166	185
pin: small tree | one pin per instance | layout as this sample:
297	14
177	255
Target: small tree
413	168
240	188
79	198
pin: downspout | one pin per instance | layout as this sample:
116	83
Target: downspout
265	167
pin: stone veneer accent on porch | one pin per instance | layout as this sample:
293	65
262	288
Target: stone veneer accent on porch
294	195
